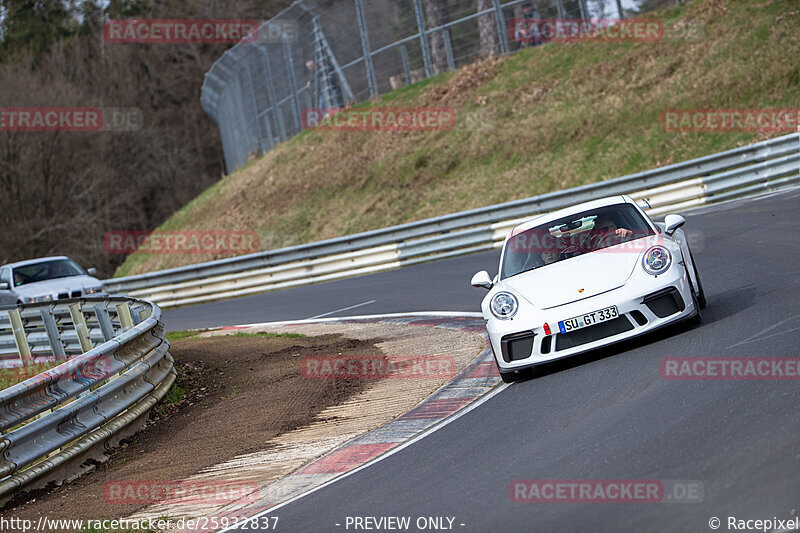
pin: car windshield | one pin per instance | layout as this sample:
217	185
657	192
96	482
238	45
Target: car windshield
44	270
572	236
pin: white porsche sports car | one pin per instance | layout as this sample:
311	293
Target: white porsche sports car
585	277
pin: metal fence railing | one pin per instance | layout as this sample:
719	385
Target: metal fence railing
762	166
112	366
326	54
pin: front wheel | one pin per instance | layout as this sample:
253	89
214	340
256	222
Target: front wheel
701	294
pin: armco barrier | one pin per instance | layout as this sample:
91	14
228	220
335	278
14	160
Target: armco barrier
763	166
90	398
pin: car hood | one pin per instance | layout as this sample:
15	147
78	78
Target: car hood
576	278
55	286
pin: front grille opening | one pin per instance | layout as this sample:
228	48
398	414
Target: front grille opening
546	344
565	341
639	317
76	294
517	346
665	302
62	295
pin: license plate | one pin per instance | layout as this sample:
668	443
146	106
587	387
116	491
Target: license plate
588	319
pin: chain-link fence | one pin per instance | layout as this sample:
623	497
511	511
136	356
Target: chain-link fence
325	54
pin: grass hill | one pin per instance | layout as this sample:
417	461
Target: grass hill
546	118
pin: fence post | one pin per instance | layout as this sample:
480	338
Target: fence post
272	95
560	7
80	326
19	337
287	57
124	314
448	49
255	113
406	65
502	35
53	334
362	29
423	37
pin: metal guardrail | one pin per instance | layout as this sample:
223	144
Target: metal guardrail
762	166
92	396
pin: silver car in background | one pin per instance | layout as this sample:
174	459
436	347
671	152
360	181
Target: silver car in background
47	279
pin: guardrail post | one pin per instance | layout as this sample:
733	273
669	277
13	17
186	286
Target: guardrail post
53	335
370	68
19	337
423	37
104	320
80	326
124	314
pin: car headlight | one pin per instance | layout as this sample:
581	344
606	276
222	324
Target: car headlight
656	260
93	290
39	299
504	305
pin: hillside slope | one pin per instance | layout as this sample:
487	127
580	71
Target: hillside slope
550	117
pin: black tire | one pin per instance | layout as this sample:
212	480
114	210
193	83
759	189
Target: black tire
700	296
697	318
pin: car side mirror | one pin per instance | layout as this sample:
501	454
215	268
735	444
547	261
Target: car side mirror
4	286
92	271
672	223
482	279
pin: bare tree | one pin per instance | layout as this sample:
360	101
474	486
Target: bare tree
437	15
600	5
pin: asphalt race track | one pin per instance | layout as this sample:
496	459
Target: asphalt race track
606	415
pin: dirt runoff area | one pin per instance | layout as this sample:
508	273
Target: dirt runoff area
251	383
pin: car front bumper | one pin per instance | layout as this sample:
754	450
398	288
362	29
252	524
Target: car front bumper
521	342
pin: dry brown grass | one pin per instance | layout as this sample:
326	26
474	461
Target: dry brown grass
564	115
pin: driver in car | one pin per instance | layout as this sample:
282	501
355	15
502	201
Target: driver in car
606	232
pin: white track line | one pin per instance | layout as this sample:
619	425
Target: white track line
342	309
446	314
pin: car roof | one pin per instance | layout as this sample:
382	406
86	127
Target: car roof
33	261
567	211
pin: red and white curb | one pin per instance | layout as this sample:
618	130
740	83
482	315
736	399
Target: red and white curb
475	384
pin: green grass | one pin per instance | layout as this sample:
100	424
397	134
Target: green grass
174	395
553	117
183	334
269	335
188	334
11	376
